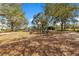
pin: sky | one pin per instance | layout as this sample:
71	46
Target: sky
30	9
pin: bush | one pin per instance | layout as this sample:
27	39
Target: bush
51	28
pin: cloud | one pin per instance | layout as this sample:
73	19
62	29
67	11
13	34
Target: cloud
77	18
30	22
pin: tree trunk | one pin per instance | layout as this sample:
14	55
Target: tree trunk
12	26
62	25
74	27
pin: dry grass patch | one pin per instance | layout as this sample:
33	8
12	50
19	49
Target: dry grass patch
5	37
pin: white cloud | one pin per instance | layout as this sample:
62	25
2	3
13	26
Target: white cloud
30	22
77	18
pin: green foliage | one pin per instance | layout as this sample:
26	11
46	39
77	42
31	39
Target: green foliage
42	19
61	12
14	14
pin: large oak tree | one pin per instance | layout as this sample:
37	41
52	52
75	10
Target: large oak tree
14	14
60	12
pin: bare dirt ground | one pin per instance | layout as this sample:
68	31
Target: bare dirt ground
9	36
54	44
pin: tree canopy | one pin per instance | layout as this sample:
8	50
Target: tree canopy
14	14
61	12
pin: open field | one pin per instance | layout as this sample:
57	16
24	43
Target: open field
55	44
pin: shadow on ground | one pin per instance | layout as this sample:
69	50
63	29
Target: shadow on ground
57	44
